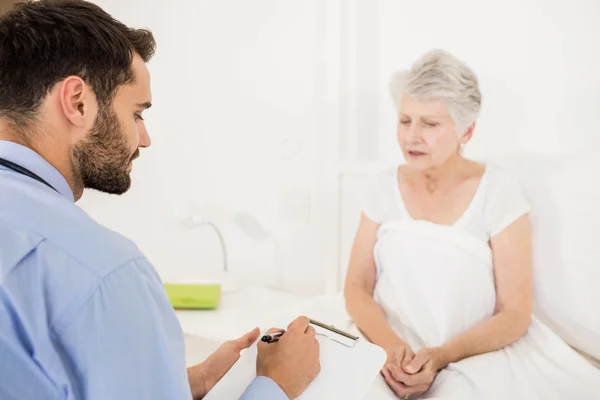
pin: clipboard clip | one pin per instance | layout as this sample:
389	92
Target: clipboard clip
343	338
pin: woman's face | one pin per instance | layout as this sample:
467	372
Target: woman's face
426	133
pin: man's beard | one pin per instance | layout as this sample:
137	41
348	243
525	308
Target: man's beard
101	160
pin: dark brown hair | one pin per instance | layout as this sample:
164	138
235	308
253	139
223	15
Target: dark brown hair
45	41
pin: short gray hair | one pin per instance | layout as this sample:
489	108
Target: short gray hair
439	75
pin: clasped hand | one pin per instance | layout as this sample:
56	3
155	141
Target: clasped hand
410	375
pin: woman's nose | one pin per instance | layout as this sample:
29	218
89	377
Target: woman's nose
413	133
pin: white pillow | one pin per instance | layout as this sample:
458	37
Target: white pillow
565	197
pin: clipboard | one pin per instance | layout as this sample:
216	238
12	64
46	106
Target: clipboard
349	365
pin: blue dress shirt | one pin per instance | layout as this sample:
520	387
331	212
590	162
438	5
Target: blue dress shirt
83	314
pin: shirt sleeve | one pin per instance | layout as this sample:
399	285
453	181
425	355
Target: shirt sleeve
125	342
508	205
263	388
376	199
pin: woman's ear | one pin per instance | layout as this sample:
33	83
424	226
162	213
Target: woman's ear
466	137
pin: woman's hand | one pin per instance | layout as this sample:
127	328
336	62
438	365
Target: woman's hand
400	354
415	378
428	359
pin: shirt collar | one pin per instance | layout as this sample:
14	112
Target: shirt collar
29	159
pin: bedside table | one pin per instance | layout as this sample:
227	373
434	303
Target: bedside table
239	312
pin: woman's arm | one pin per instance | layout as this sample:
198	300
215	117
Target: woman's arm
360	283
513	276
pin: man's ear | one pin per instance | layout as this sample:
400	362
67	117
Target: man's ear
75	101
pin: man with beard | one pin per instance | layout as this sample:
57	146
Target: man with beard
83	314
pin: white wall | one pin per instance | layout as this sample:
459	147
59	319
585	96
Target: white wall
537	62
240	91
239	85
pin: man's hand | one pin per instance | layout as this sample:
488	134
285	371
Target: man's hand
292	362
203	377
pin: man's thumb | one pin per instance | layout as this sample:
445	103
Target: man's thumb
246	341
417	363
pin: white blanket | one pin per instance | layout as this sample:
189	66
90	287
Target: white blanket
435	282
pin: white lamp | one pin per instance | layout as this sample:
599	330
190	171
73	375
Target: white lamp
191	218
250	225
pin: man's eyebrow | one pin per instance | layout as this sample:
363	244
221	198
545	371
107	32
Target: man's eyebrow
145	105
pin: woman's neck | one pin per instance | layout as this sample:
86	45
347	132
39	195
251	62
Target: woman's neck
439	178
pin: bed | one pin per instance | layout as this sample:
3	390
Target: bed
564	192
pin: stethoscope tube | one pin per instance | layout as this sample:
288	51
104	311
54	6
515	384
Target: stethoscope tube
24	171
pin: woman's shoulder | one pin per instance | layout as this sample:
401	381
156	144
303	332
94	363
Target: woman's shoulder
498	178
387	175
383	179
505	201
380	194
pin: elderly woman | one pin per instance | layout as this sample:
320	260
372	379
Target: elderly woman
440	271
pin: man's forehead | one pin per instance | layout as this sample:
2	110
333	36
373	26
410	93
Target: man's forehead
141	85
139	68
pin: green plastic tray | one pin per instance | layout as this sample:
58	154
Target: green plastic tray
194	296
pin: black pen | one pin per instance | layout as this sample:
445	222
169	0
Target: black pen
271	337
274	337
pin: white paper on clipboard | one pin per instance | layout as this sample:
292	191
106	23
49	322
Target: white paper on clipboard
348	369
